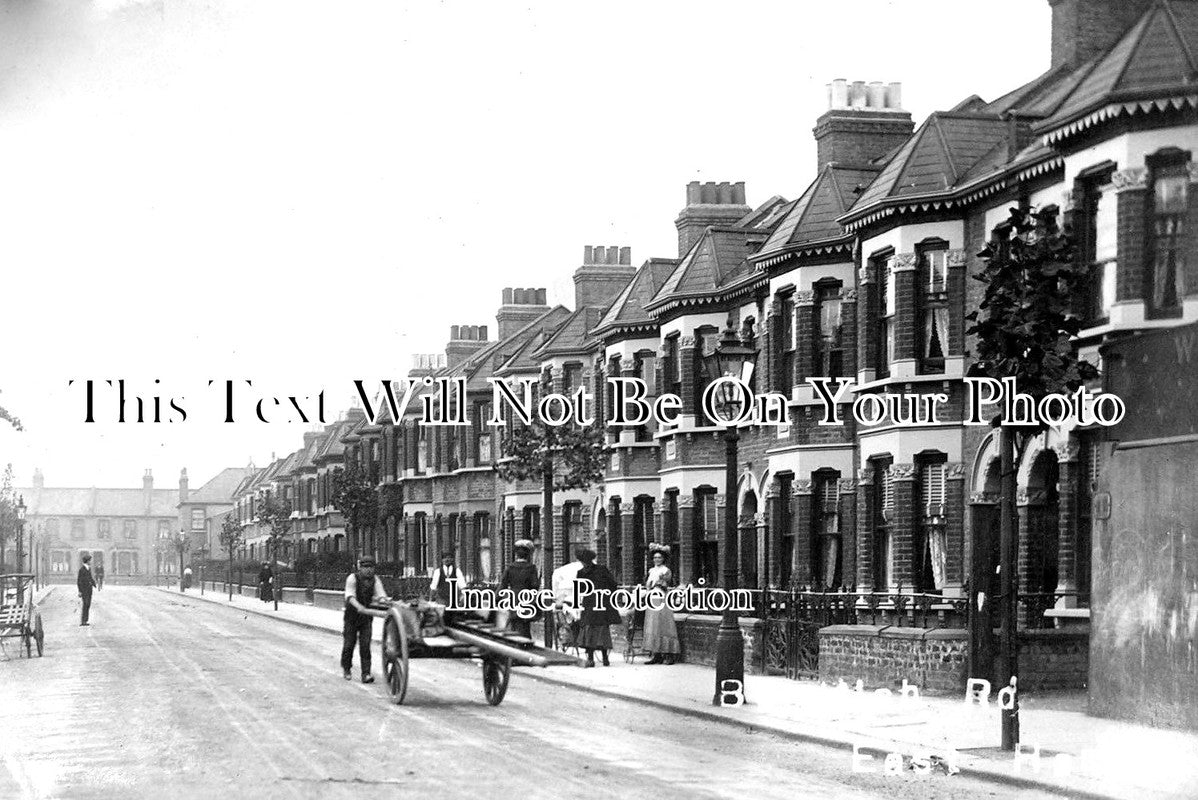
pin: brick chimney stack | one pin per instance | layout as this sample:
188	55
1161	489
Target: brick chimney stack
708	204
1081	29
463	341
184	491
863	122
520	307
605	271
39	480
424	364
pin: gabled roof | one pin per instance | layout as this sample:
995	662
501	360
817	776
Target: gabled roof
571	336
220	488
936	157
628	310
718	260
513	353
811	219
1154	65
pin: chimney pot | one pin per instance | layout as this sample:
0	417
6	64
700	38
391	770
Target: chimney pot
454	332
540	297
507	297
709	195
894	96
838	94
694	194
738	193
482	332
625	255
877	94
613	255
857	95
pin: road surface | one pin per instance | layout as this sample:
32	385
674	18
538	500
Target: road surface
168	696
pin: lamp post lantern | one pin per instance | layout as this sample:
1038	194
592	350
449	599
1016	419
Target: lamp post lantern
734	358
20	533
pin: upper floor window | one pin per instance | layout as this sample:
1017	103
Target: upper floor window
933	306
51	528
197	519
164	529
571	378
130	529
483	432
1169	201
77	531
104	529
829	354
421	450
884	270
646	370
1096	233
672	368
787	343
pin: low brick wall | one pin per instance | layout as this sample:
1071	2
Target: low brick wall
1054	659
936	660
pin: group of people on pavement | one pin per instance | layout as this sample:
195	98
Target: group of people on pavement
364	589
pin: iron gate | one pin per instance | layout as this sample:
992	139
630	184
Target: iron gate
790	623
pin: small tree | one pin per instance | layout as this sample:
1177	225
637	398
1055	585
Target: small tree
8	514
563	457
1026	333
355	497
231	538
275	514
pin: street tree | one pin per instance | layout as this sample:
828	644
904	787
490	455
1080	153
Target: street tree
1025	326
231	538
562	457
8	514
355	497
274	514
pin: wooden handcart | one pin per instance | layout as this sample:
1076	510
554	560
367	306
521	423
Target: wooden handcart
456	636
19	617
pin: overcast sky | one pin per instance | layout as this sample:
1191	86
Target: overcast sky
301	194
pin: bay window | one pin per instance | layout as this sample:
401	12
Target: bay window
829	353
932	297
1168	198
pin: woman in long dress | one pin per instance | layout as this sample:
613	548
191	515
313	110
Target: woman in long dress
521	575
595	623
661	634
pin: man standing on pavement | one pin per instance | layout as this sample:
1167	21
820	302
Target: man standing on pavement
85	581
362	589
442	575
99	576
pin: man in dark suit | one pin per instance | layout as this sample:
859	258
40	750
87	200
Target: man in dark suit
86	582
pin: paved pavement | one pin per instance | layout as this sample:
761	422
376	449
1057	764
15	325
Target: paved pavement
169	695
1103	758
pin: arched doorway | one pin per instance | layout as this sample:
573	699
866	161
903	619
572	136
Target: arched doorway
1039	533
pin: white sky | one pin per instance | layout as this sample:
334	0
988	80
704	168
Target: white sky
306	193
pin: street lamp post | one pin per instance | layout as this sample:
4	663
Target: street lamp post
20	533
182	542
733	358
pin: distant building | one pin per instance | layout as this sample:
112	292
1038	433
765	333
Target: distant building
201	511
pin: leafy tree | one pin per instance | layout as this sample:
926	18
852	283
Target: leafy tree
8	417
231	538
1024	329
8	514
563	457
274	513
355	497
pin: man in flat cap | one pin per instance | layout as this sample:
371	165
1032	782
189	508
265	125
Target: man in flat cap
362	590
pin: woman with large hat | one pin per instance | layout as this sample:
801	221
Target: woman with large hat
520	575
661	634
595	633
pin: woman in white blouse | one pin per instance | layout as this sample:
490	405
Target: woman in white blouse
661	634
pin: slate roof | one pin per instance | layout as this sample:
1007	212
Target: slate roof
717	260
812	218
936	157
331	447
220	488
628	309
93	502
1157	59
572	336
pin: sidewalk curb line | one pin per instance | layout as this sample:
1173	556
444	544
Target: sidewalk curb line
982	774
993	776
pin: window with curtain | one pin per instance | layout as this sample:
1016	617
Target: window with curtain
933	307
1169	199
1095	226
829	355
883	491
827	572
932	494
884	269
786	344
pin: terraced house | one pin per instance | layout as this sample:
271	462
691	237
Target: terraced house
865	276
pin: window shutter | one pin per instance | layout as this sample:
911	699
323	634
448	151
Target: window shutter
932	480
829	504
887	493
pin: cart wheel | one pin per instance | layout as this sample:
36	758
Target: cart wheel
496	672
39	635
395	661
